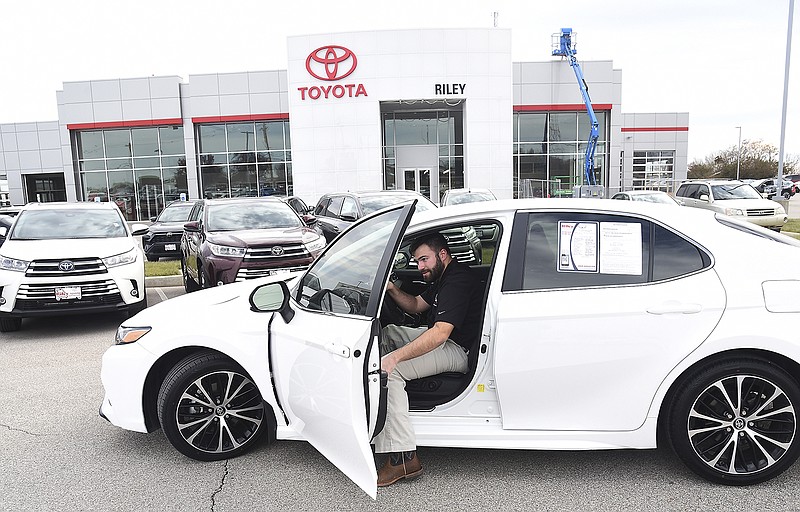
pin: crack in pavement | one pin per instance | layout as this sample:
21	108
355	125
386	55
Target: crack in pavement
12	429
219	489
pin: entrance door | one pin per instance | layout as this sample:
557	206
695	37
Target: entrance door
45	188
421	180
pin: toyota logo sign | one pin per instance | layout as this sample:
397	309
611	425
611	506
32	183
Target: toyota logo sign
277	250
331	63
66	266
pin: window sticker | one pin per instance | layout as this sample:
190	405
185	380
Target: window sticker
621	248
577	246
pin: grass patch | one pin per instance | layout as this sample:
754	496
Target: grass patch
162	268
792	225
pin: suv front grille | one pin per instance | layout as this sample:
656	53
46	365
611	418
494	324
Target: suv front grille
274	256
42	296
761	212
49	268
171	237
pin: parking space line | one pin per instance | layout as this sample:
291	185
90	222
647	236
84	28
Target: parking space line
161	293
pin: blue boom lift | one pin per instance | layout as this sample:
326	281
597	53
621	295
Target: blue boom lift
566	48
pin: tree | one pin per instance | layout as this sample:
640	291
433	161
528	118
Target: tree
758	160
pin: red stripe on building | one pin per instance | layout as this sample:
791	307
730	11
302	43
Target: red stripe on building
125	124
244	117
658	129
560	107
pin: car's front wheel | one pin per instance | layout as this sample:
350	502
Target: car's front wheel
10	324
210	409
735	423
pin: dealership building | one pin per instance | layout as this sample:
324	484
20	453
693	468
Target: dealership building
424	110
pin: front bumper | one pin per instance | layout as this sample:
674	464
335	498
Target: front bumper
768	221
229	270
123	373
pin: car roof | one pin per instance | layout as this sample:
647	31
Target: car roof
641	192
63	205
229	200
714	182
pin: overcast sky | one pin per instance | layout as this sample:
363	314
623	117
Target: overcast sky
720	60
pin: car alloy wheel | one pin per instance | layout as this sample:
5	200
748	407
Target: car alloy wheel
210	409
736	423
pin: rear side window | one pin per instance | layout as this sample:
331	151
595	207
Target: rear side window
334	207
573	250
321	207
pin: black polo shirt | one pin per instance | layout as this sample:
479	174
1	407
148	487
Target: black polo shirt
456	298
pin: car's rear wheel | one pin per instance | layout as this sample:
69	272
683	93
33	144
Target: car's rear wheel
189	284
735	423
10	324
210	409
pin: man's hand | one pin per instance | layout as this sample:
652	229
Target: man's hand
388	362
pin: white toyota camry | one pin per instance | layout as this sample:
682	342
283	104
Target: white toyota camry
606	324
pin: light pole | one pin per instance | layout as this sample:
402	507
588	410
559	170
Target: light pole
739	153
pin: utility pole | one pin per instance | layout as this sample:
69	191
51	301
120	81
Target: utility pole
739	153
785	96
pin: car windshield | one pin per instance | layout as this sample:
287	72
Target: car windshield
653	198
68	223
469	197
734	191
372	204
251	215
176	213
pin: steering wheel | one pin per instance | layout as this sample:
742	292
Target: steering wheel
391	313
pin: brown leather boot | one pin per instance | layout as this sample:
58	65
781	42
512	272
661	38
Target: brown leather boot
398	466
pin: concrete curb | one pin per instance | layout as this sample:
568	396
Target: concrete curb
163	281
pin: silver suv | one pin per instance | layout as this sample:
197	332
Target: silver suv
733	198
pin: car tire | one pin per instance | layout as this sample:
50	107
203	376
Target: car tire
227	415
152	258
787	195
189	284
735	422
10	324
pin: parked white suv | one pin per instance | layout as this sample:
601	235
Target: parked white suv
733	198
70	258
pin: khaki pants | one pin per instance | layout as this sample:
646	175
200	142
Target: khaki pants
397	434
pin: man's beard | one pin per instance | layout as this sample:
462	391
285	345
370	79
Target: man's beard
436	272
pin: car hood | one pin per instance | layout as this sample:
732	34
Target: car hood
749	204
163	227
256	237
65	249
200	304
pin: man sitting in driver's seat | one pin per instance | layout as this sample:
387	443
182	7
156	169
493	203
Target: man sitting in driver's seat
453	303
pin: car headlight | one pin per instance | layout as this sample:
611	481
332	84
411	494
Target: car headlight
315	245
779	210
120	259
733	211
13	264
127	335
224	250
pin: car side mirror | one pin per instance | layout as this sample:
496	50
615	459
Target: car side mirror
139	229
152	219
400	261
310	220
192	226
272	297
704	197
347	217
3	231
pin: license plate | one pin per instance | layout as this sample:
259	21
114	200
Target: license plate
279	272
68	292
170	247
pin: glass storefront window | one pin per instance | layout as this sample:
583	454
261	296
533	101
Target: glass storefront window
243	181
171	140
241	137
175	183
532	128
211	138
95	186
122	192
563	126
90	145
117	143
270	136
145	142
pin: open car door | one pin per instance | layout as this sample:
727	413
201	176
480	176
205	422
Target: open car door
324	351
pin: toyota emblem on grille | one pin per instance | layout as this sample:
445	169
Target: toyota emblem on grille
66	266
277	250
331	63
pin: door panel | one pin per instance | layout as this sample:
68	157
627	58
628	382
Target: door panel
325	359
592	359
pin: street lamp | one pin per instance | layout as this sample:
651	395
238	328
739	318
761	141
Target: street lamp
739	153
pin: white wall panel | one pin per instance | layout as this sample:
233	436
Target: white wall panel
204	85
233	83
106	90
133	110
77	92
234	104
135	88
30	161
107	111
27	141
263	82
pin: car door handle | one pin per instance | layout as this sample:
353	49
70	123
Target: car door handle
338	349
675	307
